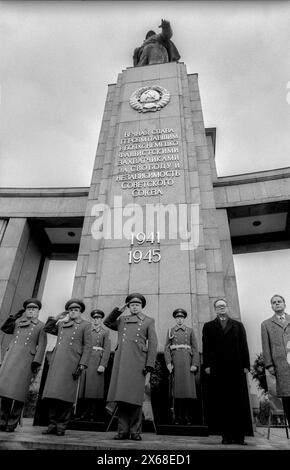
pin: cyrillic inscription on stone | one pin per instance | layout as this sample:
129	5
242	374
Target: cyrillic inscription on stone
148	161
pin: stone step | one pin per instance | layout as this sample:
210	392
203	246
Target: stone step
182	430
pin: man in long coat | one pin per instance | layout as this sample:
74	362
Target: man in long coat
135	356
182	360
70	357
276	349
92	380
226	361
22	360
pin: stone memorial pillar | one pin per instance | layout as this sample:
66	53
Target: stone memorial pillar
152	182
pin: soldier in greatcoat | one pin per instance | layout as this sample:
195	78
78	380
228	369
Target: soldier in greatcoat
226	361
157	48
182	360
21	361
134	360
276	349
92	380
70	357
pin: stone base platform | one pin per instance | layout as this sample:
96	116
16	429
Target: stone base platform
29	437
179	430
148	428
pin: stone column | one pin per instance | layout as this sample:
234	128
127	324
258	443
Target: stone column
191	279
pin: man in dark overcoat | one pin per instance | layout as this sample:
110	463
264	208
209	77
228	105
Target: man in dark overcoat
70	357
135	356
182	360
276	349
92	379
226	361
21	362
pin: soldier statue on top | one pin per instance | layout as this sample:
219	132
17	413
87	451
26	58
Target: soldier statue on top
157	48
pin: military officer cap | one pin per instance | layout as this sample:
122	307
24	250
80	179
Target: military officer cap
31	302
179	312
135	297
97	312
75	302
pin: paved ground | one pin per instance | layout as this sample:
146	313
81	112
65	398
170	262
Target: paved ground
29	437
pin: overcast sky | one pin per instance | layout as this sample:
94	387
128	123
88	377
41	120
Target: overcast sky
58	57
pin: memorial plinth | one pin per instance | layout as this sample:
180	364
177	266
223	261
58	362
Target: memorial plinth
153	158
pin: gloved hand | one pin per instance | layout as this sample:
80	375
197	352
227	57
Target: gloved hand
35	367
100	369
61	316
193	368
169	367
18	314
123	308
76	374
148	369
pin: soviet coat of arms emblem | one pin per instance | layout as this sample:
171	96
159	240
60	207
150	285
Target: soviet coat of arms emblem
149	98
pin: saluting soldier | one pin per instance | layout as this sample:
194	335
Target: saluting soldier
134	359
182	360
92	380
22	360
70	357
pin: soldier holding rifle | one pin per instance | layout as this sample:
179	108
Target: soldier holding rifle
156	48
182	361
92	387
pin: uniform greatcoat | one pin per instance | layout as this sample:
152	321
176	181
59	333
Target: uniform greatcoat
27	345
92	382
157	49
226	352
181	349
136	349
275	338
73	347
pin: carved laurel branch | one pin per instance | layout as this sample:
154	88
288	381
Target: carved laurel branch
141	108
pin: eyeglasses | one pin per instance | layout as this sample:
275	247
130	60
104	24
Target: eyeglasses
220	307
